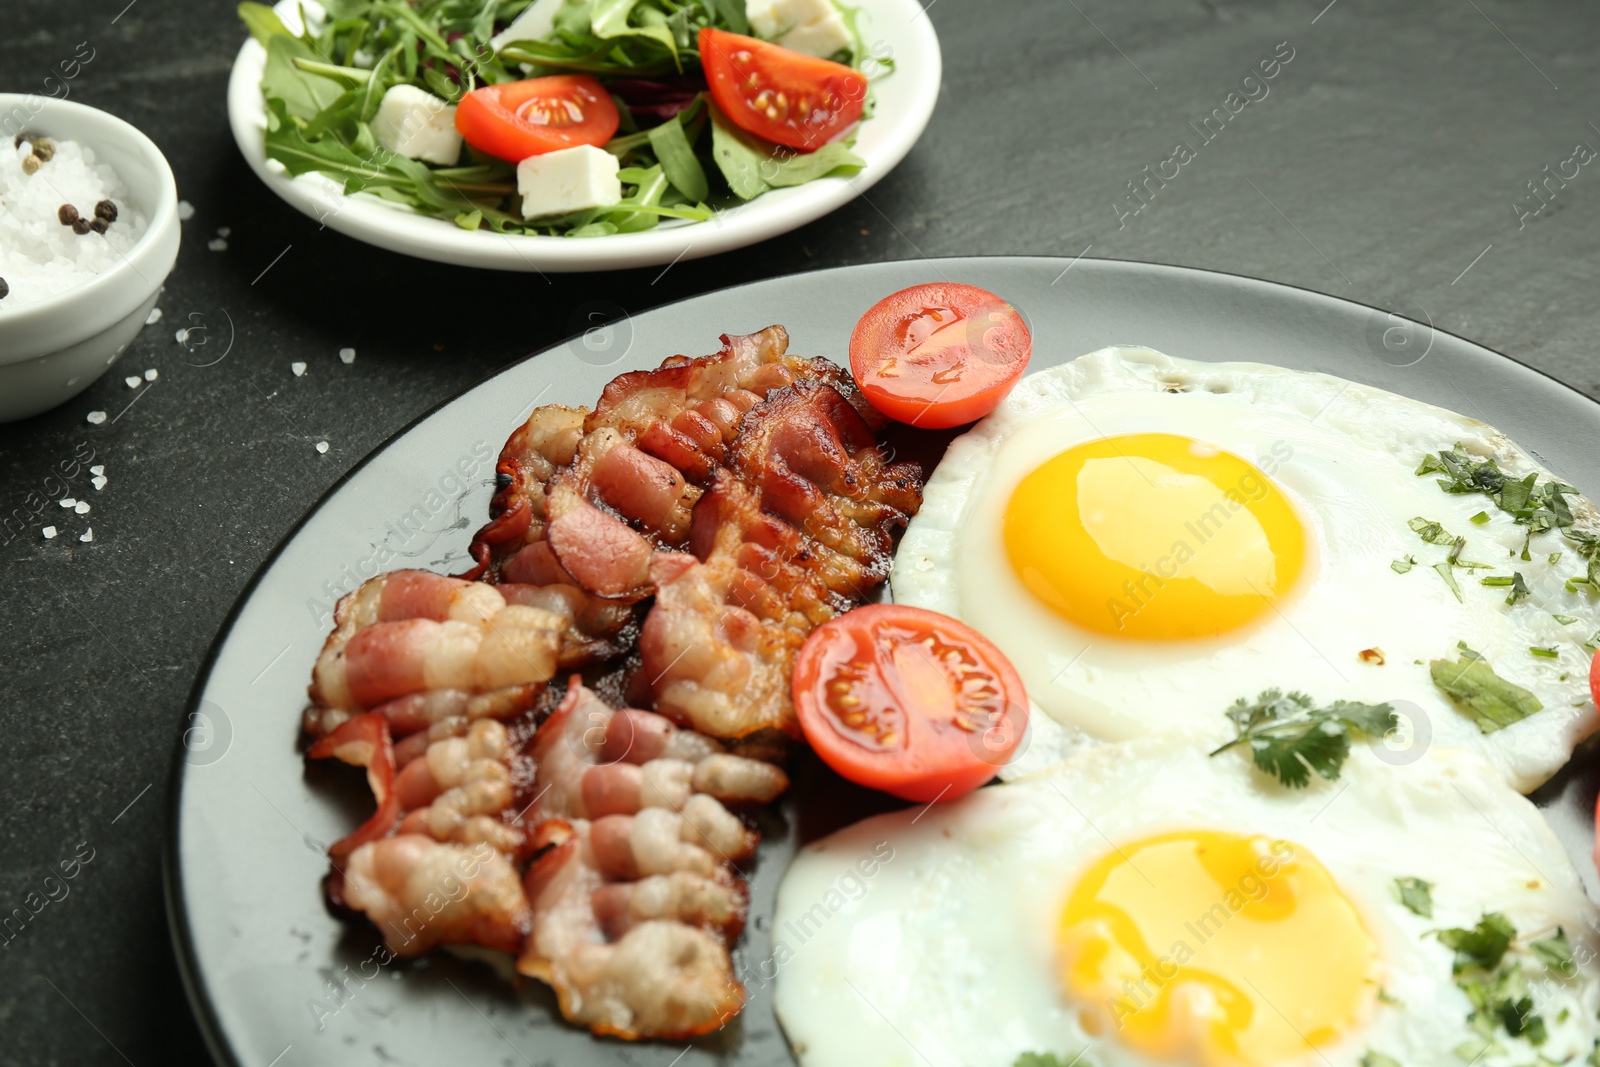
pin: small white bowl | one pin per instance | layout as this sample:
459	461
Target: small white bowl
53	350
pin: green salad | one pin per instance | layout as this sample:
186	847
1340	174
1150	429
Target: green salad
576	118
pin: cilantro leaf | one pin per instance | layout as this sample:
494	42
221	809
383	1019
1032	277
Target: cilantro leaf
1484	945
1491	701
1290	737
1416	895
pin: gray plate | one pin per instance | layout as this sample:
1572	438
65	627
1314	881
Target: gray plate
272	975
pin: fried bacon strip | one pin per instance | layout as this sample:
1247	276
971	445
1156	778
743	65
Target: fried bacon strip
435	653
631	477
636	900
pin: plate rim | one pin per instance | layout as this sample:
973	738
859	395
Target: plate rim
373	222
198	994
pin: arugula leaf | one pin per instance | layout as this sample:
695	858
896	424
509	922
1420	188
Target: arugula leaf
1290	737
1416	895
608	20
678	161
261	21
752	167
304	94
1491	701
733	15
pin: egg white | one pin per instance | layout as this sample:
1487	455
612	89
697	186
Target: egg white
1345	456
944	955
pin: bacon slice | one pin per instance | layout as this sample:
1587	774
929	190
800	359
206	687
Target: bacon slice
640	463
638	898
420	893
468	789
435	653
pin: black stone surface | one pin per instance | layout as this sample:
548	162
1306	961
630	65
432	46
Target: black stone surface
1388	163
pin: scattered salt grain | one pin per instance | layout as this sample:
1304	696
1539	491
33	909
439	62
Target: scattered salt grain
185	210
298	367
347	355
322	446
81	507
87	535
224	231
96	418
67	501
217	244
98	468
39	256
151	375
182	337
132	381
98	481
153	318
49	532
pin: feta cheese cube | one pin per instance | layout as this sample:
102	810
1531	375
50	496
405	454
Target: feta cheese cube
572	179
813	27
418	125
537	20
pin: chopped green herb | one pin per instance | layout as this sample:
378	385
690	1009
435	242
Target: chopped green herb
1042	1059
1389	998
1593	644
1481	946
1400	566
1497	579
1519	588
1476	1049
1555	557
1373	1058
1431	531
1479	519
1546	653
1565	620
1289	736
1491	701
1574	583
1449	579
1555	952
1415	894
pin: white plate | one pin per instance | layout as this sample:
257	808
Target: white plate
905	100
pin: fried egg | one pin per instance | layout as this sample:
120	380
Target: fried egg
1142	903
1149	539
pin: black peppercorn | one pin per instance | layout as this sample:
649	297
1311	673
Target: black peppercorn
5	290
99	225
105	209
68	214
81	226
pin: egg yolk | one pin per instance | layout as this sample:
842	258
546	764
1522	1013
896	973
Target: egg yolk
1153	536
1213	948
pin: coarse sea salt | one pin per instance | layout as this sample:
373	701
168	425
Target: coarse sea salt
39	257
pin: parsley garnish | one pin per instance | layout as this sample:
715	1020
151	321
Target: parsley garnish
1289	736
1483	946
1491	701
1416	895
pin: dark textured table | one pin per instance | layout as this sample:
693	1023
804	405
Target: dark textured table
1428	157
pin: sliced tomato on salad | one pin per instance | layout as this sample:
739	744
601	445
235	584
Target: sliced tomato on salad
939	355
785	97
515	120
908	701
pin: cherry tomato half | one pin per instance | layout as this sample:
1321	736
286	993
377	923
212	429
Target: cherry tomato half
939	355
908	701
525	118
785	97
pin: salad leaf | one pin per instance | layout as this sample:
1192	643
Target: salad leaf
678	161
608	19
752	166
1491	701
262	22
305	94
